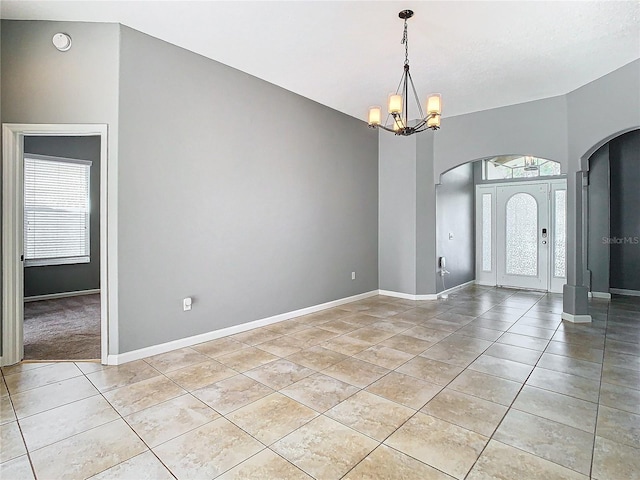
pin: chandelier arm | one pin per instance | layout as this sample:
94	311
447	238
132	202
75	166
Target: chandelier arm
415	93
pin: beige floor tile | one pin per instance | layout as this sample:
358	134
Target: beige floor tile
59	423
6	411
87	453
386	310
272	417
17	469
11	441
613	460
121	375
491	324
404	389
575	351
89	367
426	334
219	347
324	448
340	326
477	331
503	462
232	393
38	377
207	451
145	466
53	395
169	419
312	336
356	372
430	370
444	325
384	356
619	426
516	354
317	357
140	395
279	374
281	346
440	444
361	318
287	327
24	367
345	345
561	444
622	360
370	334
201	374
532	331
451	354
4	392
622	398
265	465
246	359
255	336
570	365
370	414
392	325
524	341
591	341
389	464
518	372
472	413
175	359
319	391
572	385
557	407
621	376
407	344
323	316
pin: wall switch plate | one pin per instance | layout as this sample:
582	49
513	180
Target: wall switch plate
186	304
353	275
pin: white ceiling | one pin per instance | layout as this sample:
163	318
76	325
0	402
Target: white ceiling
347	54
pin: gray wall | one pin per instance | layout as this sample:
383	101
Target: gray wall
250	199
397	215
43	85
598	222
624	160
80	276
455	214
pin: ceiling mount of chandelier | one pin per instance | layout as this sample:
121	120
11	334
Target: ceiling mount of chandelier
398	105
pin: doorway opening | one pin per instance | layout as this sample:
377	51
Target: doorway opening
54	276
521	226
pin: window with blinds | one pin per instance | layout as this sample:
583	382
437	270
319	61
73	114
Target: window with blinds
56	210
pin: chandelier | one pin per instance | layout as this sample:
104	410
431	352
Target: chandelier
398	106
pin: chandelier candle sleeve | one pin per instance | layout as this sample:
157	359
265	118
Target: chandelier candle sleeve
395	103
434	104
375	115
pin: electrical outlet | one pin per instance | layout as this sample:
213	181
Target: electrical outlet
186	304
353	275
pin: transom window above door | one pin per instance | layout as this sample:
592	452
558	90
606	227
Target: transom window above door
518	166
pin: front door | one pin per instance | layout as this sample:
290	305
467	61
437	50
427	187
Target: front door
520	235
523	235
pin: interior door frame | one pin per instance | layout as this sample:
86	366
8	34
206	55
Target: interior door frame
13	233
490	278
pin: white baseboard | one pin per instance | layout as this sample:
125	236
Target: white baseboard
622	291
457	287
408	296
576	318
605	295
52	296
119	359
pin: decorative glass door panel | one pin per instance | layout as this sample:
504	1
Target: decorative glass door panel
523	236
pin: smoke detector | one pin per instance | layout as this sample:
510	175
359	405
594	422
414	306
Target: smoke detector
62	41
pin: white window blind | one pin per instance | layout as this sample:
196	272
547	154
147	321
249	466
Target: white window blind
56	210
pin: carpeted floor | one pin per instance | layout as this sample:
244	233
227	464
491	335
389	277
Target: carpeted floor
62	329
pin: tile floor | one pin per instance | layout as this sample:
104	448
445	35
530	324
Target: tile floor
487	384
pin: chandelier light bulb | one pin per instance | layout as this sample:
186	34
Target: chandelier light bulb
395	103
434	104
375	115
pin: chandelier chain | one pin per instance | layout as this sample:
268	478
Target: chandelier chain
405	42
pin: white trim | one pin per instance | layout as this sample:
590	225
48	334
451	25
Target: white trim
457	287
121	358
622	291
408	296
49	158
604	295
576	318
53	296
12	232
